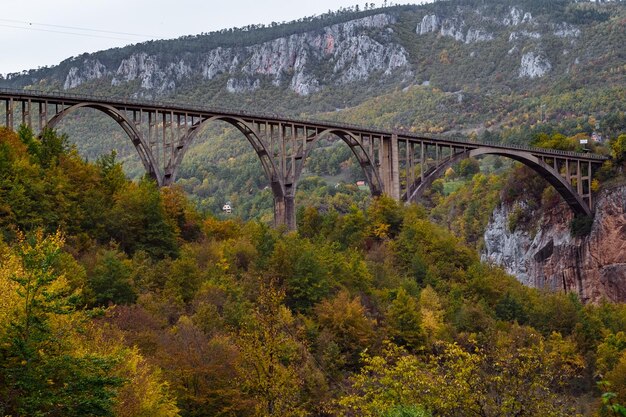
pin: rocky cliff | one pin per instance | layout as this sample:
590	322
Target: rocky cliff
349	50
544	255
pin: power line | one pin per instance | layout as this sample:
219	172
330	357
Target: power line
79	28
68	33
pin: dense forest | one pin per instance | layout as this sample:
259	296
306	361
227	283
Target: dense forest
119	298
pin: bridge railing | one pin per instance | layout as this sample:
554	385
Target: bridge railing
189	107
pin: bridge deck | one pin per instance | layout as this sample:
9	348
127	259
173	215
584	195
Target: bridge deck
189	109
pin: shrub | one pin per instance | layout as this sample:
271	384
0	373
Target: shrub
580	225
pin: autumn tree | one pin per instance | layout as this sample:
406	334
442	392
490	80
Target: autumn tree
522	374
37	375
405	320
268	368
347	325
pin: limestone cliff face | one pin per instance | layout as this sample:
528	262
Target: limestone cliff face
594	267
354	50
458	28
534	65
523	31
392	47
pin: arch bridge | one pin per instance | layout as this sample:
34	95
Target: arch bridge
398	163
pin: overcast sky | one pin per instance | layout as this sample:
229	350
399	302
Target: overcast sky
30	38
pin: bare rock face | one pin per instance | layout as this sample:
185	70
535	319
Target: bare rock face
506	248
354	53
594	267
91	69
517	17
565	30
534	65
456	28
452	28
430	23
154	77
291	61
523	34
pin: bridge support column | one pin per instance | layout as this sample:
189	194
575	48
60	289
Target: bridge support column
390	166
285	212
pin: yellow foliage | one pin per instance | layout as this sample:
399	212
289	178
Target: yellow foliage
381	230
269	356
28	262
444	57
595	185
9	298
617	379
345	317
145	393
432	313
220	230
518	373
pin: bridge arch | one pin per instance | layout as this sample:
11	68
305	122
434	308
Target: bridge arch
145	154
262	152
367	165
562	186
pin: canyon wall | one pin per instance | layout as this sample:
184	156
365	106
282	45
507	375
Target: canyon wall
545	255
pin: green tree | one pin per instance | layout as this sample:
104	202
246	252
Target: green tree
299	265
53	145
111	171
404	319
138	221
109	281
468	167
38	374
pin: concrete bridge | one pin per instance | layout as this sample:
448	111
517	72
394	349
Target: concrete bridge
398	163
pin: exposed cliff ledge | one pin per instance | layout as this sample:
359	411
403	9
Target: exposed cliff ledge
594	267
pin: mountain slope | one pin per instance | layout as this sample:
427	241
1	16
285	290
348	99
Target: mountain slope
494	46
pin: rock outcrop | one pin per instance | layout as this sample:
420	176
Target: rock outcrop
349	48
534	65
456	28
594	267
372	50
91	69
453	28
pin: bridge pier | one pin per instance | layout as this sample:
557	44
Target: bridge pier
285	212
390	166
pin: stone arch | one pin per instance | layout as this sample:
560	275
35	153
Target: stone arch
562	186
145	154
367	165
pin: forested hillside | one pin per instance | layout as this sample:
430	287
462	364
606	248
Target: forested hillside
118	298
